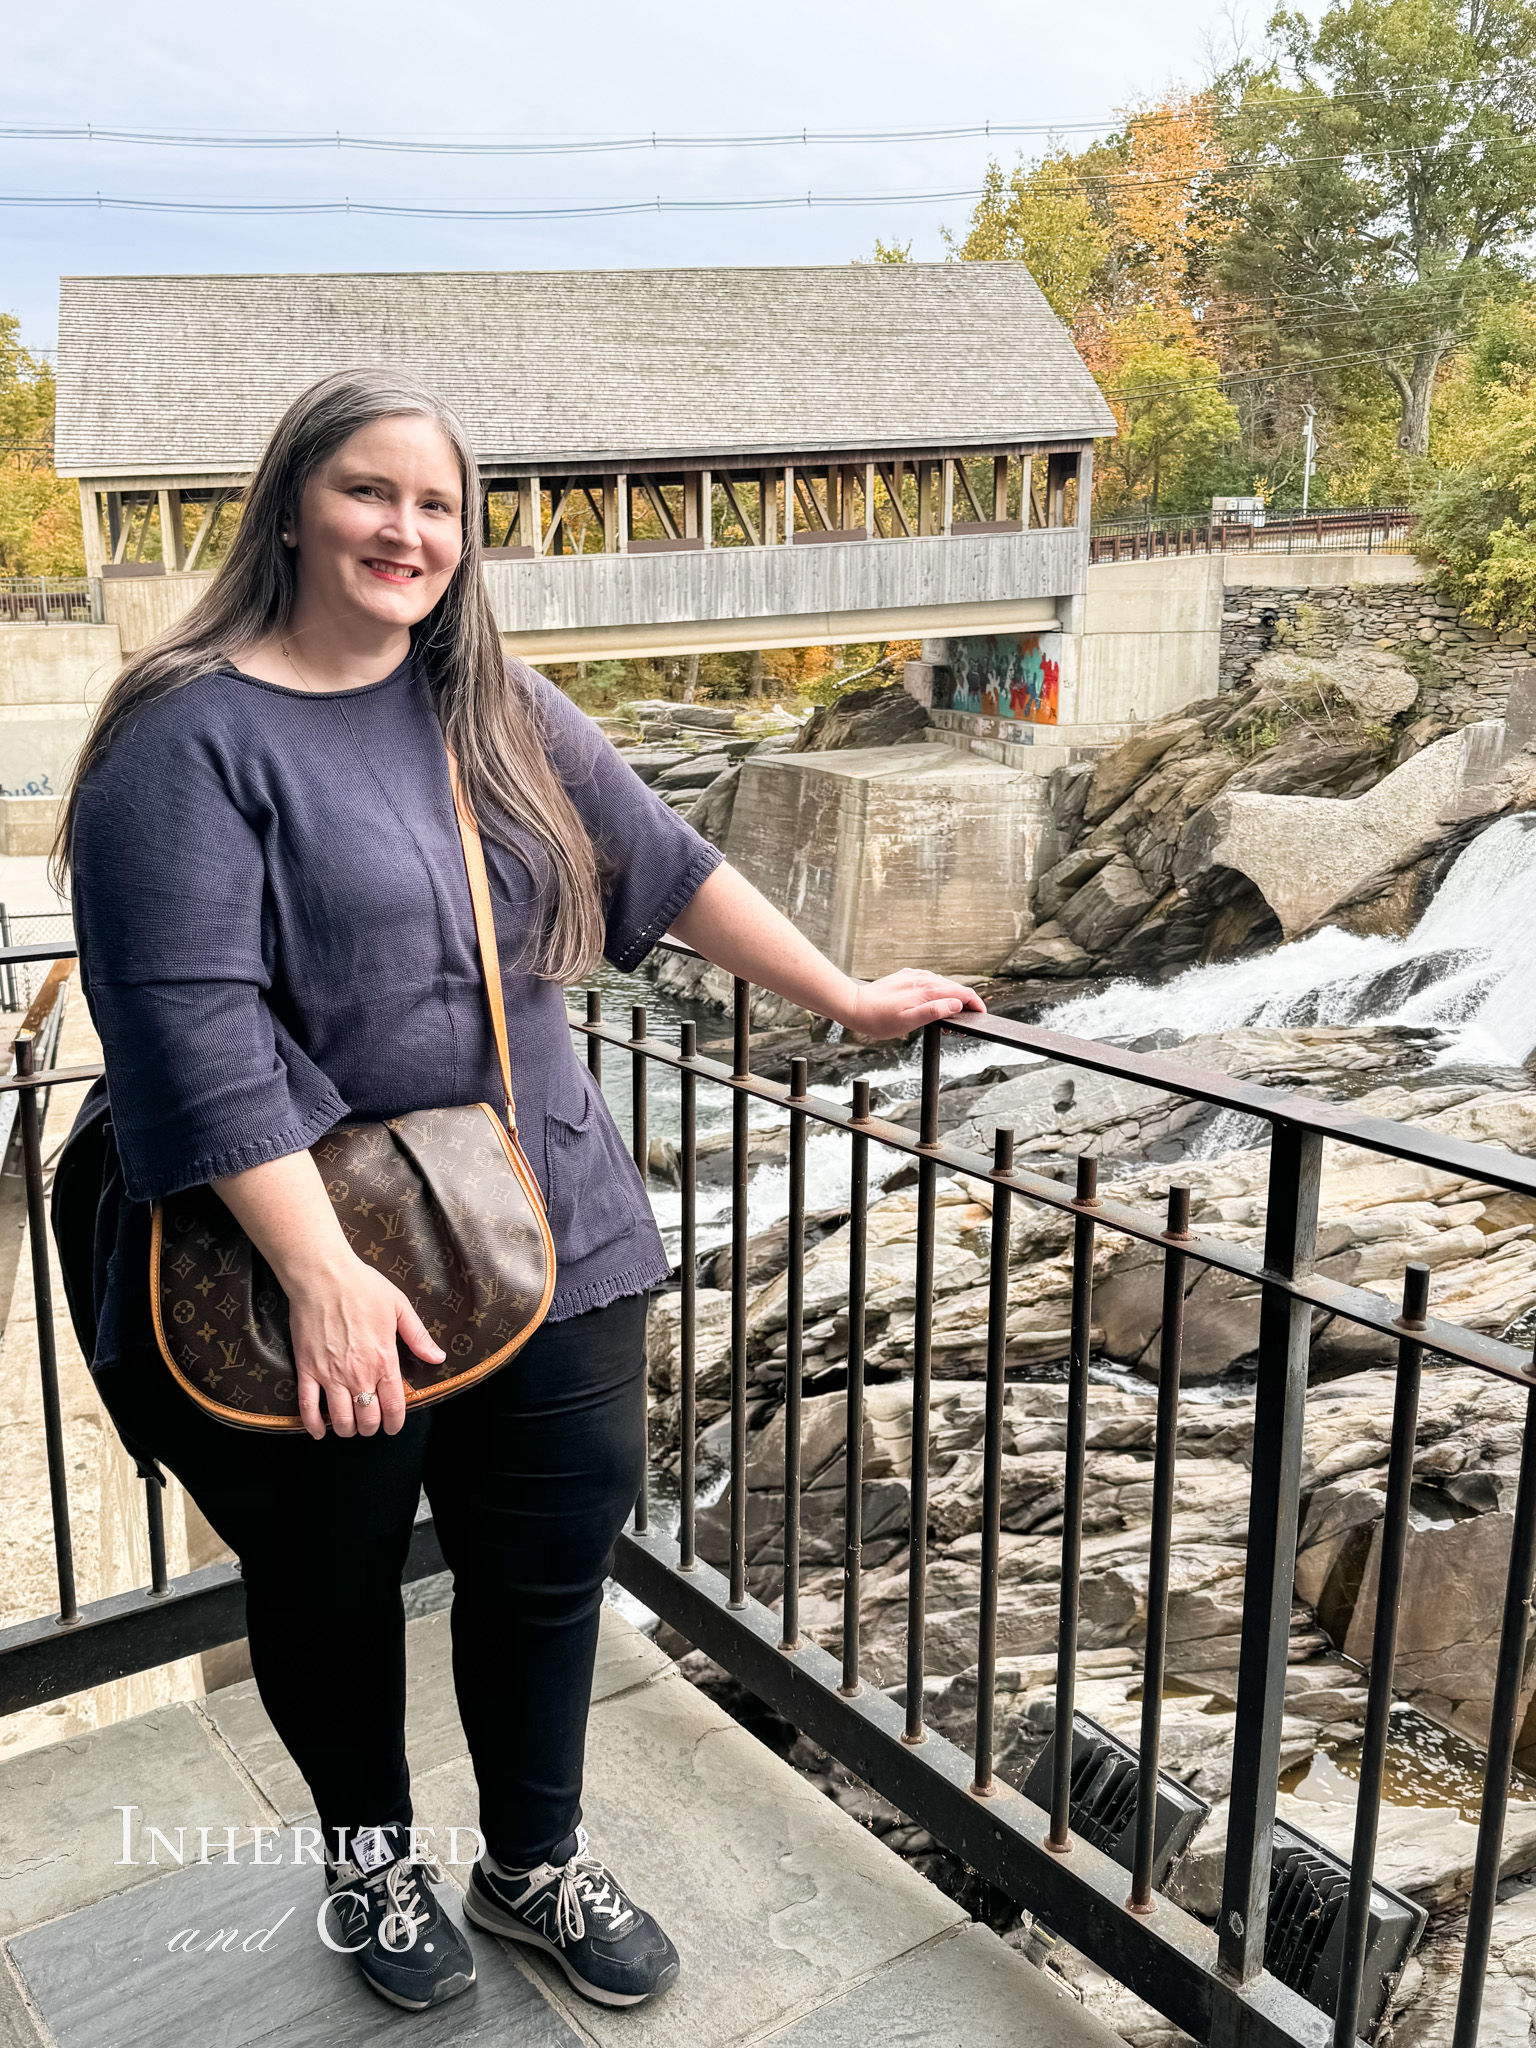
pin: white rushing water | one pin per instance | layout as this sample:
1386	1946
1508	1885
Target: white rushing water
1468	968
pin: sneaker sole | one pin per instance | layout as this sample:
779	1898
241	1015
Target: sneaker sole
513	1930
451	1988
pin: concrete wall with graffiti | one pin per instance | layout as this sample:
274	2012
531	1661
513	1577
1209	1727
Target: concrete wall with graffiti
1010	676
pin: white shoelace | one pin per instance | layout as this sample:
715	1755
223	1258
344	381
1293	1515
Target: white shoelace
409	1911
584	1887
399	1927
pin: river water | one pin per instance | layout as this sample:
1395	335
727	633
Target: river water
1468	967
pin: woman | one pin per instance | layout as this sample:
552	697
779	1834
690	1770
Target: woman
275	932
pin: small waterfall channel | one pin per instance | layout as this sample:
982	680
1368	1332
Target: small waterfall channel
1468	968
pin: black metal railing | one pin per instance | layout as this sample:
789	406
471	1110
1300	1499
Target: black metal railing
1212	1982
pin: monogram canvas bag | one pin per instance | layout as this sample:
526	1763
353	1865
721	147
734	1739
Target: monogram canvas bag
440	1201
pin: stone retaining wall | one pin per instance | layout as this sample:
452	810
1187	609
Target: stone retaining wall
1467	669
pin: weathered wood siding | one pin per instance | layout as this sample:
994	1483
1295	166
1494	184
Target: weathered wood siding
570	592
142	607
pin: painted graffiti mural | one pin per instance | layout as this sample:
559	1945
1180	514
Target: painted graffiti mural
1006	675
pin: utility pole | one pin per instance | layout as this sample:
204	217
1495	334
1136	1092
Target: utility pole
1309	456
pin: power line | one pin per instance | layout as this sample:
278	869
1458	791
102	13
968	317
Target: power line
1101	183
400	209
1222	378
1091	183
430	143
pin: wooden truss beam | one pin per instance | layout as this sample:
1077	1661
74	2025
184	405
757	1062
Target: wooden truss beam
727	484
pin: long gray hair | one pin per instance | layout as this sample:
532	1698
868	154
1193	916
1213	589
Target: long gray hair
485	702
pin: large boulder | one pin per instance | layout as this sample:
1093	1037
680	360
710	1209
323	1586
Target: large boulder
1049	954
711	813
864	718
1377	683
696	771
1306	854
1105	908
1115	775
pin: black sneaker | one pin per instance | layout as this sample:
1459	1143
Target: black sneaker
576	1912
407	1948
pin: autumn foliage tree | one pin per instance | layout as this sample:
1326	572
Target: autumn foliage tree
1118	238
39	512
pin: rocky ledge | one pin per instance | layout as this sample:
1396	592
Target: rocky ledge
1376	1216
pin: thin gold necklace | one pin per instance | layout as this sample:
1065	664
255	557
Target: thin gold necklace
309	686
304	679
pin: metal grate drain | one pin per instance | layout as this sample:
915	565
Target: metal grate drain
1304	1938
1104	1798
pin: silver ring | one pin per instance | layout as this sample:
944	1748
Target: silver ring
362	1400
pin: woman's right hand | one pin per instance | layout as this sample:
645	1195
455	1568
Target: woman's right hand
344	1319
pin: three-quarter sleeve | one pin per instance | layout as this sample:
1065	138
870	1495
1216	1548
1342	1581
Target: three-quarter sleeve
168	881
654	861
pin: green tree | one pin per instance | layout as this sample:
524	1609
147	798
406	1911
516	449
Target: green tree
1175	424
1476	532
1393	183
1038	215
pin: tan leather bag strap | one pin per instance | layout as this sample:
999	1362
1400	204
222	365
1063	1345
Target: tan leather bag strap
485	931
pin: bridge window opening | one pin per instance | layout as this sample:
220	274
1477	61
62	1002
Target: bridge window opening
742	511
817	500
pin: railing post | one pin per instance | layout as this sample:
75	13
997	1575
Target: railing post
595	1045
1060	1836
10	972
47	1356
1503	1727
992	1459
1170	1350
741	1067
640	1144
853	1434
1290	1240
794	1355
1378	1712
922	1376
688	1264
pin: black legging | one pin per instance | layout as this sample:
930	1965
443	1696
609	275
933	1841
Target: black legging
530	1476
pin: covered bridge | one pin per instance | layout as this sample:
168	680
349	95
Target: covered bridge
674	459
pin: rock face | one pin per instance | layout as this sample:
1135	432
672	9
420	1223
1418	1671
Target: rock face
1221	815
1427	1844
1307	854
1377	1215
888	717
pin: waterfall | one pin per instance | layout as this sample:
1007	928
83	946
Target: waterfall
1468	968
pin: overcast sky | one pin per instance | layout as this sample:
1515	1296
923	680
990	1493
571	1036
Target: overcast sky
596	68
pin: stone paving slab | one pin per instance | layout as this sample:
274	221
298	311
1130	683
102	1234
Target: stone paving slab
61	1837
105	1977
17	2029
966	1990
433	1734
776	1898
794	1923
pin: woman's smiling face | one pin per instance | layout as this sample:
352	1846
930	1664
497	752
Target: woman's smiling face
380	523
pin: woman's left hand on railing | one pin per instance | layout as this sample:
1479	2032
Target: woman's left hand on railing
740	930
901	1003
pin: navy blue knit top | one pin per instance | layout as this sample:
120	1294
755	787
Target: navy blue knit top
275	932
